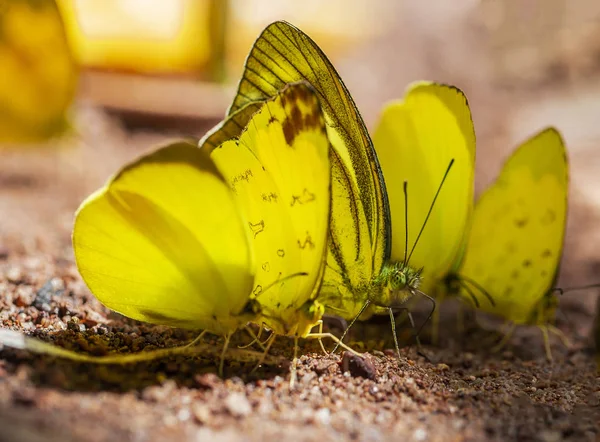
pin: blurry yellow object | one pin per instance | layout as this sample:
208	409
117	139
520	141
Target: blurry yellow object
37	73
515	243
175	36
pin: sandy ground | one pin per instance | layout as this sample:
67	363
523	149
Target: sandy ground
465	392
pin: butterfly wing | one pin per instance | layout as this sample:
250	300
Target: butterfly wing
37	72
515	243
359	230
164	242
415	139
280	172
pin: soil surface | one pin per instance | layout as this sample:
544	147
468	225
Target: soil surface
463	392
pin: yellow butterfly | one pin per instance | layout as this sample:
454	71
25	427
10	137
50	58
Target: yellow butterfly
515	242
360	267
185	239
282	181
38	75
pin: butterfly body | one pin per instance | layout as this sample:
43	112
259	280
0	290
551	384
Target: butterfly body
364	273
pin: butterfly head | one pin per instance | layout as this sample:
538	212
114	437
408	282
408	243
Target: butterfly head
396	283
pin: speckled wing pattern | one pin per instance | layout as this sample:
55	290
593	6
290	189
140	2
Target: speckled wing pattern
359	241
280	172
515	243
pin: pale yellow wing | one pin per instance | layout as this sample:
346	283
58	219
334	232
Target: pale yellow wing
279	172
37	72
416	139
515	244
359	231
165	242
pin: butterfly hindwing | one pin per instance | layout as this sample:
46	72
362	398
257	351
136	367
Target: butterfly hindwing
165	242
515	243
415	139
280	172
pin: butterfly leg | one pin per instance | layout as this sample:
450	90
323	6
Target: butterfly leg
415	331
546	337
223	352
255	338
393	321
320	325
500	345
558	332
294	374
196	339
267	347
362	309
335	339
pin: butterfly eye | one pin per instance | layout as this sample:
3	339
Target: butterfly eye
398	280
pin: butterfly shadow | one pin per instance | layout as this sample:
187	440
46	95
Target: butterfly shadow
194	369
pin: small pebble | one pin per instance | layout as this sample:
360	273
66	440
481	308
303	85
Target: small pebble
238	405
358	366
323	416
14	275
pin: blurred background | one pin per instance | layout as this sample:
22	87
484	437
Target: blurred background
86	85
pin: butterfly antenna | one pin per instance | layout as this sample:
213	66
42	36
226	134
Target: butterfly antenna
433	305
467	289
405	223
562	291
430	209
479	287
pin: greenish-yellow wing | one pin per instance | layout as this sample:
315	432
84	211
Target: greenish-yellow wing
515	243
359	230
164	241
415	139
279	171
37	72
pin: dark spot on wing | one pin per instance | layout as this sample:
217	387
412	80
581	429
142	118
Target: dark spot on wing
527	263
547	253
272	120
296	121
549	217
522	222
515	274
